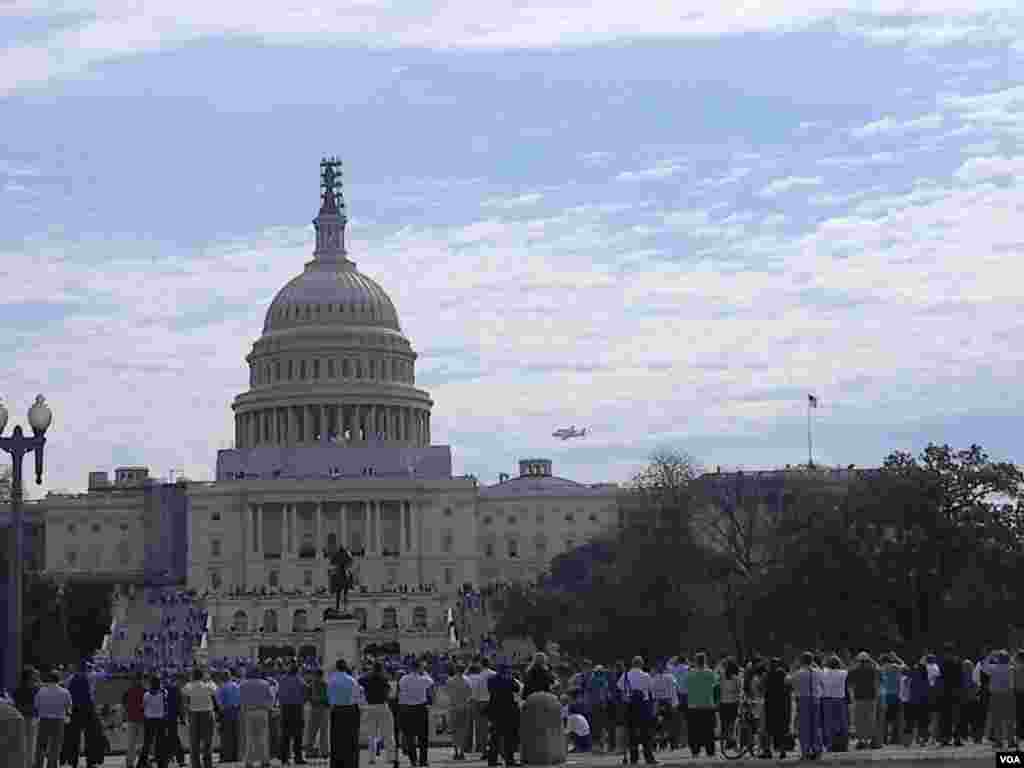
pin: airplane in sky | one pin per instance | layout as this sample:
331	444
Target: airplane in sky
570	432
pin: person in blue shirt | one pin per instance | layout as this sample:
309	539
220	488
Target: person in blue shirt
343	696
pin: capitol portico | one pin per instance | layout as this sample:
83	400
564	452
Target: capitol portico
332	447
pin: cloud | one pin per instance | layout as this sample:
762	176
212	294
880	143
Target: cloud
596	158
984	168
781	186
877	158
514	202
889	126
112	30
648	174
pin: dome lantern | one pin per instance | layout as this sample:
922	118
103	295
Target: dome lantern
330	222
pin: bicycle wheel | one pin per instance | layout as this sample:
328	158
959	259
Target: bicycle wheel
739	741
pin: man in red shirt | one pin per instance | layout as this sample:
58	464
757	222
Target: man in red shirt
134	718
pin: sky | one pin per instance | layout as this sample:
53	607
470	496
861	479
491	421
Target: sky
666	222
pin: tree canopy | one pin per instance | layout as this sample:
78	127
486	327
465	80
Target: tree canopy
918	551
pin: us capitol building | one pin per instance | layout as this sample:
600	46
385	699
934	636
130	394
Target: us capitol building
332	446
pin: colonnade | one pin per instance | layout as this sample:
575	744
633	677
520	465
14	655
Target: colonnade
332	423
364	517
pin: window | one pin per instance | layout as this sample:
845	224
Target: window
95	527
291	370
307	578
511	519
541	545
270	620
345	368
316	369
360	614
540	518
215	579
330	369
487	520
300	621
274	579
215	548
570	517
240	621
392	577
449	576
124	527
513	548
419	617
215	516
71	528
373	368
277	370
302	370
447	511
389	618
359	368
489	548
71	556
447	541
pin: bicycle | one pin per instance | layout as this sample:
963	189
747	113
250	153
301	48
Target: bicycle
741	739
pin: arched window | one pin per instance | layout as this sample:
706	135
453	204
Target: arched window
240	621
513	547
300	621
389	618
270	620
360	614
419	617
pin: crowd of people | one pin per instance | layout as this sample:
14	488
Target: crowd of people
291	711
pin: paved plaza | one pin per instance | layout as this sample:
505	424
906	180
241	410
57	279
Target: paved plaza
936	757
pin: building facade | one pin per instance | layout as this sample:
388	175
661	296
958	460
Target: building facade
332	447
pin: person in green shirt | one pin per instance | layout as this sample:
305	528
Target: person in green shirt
703	696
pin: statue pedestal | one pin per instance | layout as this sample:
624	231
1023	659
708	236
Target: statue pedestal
340	641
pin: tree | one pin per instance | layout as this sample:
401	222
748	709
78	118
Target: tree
932	518
64	628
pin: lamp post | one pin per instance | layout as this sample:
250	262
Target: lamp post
17	445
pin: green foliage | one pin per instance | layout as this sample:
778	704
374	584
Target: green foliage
922	550
64	628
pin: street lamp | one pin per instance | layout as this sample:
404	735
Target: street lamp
17	445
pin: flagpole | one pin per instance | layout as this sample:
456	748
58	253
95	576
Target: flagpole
810	444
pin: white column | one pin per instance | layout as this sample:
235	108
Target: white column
343	525
318	529
373	532
284	531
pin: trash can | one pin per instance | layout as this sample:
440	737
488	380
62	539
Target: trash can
12	735
541	739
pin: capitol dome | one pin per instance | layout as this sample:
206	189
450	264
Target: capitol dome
331	293
332	364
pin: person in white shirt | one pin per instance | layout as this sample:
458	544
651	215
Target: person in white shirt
835	721
578	730
414	690
638	692
200	699
53	705
666	699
